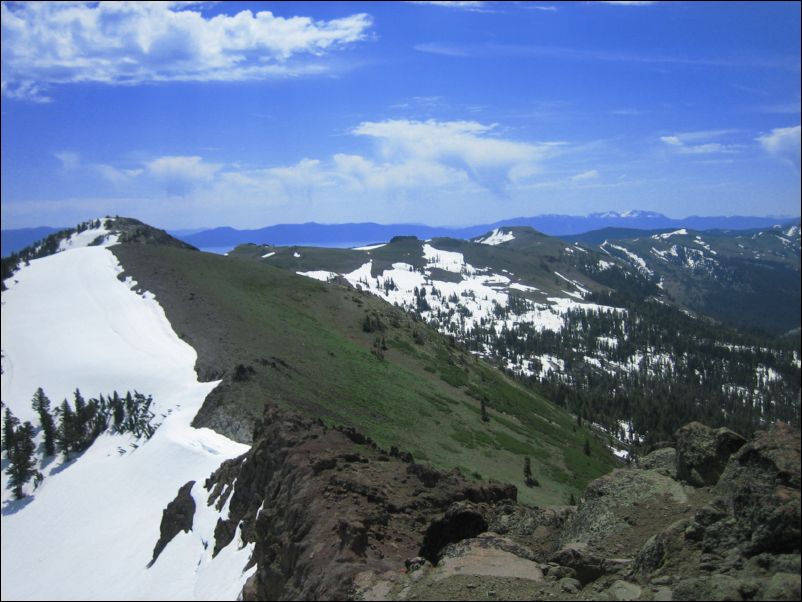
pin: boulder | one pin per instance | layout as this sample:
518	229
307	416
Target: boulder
570	586
760	488
614	508
624	590
585	565
703	452
658	547
663	460
712	587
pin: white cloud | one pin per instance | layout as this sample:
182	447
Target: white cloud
413	161
680	142
466	145
181	174
472	6
783	143
360	173
586	175
46	43
116	176
68	159
628	3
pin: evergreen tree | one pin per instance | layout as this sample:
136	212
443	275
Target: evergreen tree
22	465
586	448
41	405
528	478
485	417
118	413
10	423
66	437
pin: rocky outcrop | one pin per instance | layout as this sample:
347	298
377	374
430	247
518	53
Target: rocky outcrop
702	452
332	516
323	505
620	511
663	460
177	516
760	491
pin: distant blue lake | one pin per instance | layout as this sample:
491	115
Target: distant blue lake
331	245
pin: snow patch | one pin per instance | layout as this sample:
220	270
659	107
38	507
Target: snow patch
496	237
667	235
90	528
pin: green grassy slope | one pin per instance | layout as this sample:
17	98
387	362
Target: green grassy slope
302	343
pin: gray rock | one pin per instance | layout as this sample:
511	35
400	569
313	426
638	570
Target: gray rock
663	594
663	460
714	587
624	590
658	547
569	585
782	586
760	489
702	452
587	566
600	517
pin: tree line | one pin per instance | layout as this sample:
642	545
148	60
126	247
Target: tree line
70	429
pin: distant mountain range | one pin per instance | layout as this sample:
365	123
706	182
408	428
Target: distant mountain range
355	234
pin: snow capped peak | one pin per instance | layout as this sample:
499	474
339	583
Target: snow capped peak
631	214
638	213
496	237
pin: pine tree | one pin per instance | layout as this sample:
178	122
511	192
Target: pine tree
118	413
66	437
41	405
587	447
22	465
528	478
485	417
10	423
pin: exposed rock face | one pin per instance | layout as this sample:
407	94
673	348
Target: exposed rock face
334	517
177	517
760	491
702	452
323	505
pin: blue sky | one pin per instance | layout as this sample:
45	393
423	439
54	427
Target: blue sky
453	113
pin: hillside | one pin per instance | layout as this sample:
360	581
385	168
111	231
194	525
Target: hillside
724	274
595	330
353	359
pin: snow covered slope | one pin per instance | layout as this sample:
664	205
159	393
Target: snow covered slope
88	531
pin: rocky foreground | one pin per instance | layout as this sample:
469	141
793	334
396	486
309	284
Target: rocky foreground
709	516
